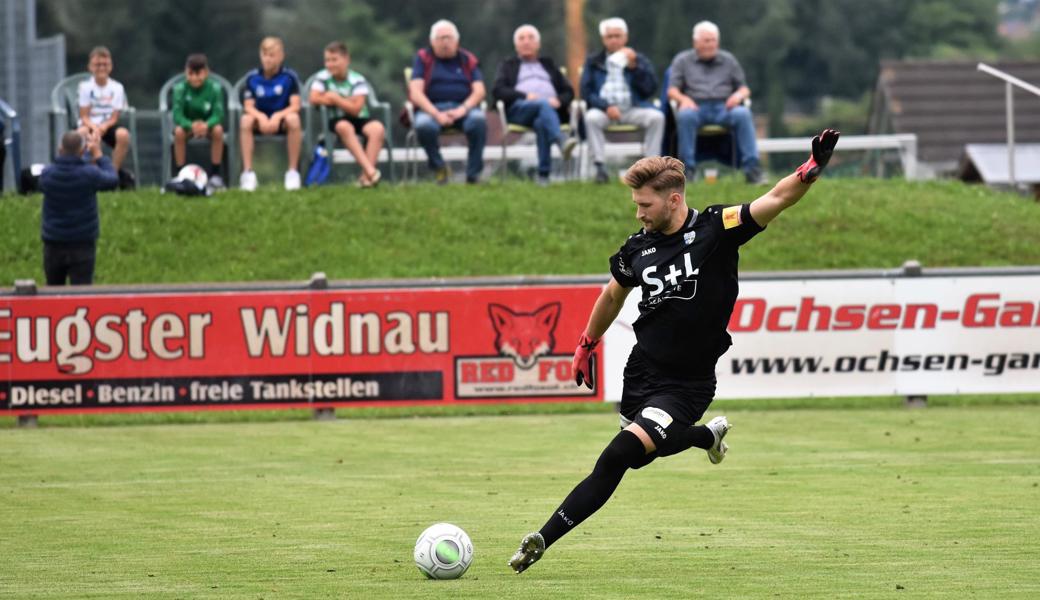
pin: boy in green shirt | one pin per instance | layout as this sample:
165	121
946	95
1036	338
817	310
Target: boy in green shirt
198	112
345	92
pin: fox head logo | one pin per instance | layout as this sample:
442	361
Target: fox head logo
524	336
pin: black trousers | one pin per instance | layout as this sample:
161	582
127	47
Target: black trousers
69	260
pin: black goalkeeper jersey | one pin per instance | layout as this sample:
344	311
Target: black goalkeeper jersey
689	283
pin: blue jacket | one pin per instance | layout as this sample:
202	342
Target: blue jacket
641	80
70	186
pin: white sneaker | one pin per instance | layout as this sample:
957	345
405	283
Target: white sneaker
718	426
247	181
292	179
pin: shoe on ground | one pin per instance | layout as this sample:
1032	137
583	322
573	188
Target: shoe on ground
247	181
216	182
691	175
292	180
532	547
755	176
718	427
601	174
370	182
443	175
472	180
542	181
567	147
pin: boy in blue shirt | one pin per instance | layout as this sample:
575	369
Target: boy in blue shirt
271	105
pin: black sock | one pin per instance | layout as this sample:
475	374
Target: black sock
624	451
698	435
214	169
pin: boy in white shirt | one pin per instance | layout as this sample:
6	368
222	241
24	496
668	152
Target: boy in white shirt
101	100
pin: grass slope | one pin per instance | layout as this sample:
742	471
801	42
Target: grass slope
809	504
512	229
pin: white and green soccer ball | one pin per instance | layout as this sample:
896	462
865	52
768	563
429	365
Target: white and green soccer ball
443	551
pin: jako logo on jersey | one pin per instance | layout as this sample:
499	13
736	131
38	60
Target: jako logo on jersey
524	336
673	276
648	251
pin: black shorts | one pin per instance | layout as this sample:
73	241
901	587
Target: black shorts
660	403
281	128
110	137
357	122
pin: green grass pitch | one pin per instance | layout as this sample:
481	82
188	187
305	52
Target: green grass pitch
853	503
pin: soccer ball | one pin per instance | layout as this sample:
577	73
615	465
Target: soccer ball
443	551
194	174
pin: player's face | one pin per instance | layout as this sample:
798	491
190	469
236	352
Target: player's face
653	208
527	44
100	67
706	44
271	58
337	64
196	78
614	39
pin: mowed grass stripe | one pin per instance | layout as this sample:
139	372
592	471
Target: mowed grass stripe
809	503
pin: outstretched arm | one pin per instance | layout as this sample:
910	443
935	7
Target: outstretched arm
789	190
607	307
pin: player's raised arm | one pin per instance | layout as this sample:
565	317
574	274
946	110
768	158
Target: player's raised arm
606	309
790	189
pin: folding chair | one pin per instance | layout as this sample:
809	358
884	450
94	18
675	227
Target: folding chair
11	129
231	118
379	110
64	114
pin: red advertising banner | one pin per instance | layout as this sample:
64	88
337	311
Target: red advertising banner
290	349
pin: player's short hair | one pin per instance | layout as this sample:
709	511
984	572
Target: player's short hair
443	23
612	23
196	62
338	47
706	27
270	43
659	172
101	51
525	27
72	143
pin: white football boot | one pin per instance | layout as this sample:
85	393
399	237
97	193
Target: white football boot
531	549
718	426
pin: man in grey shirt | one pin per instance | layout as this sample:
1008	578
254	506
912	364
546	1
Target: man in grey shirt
709	88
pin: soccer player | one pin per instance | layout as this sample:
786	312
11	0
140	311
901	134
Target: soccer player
686	264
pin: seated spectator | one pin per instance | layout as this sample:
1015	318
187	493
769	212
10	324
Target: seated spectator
69	225
618	84
101	100
709	87
346	93
447	89
536	95
198	112
271	105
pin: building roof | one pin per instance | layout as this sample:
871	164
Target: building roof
989	163
949	104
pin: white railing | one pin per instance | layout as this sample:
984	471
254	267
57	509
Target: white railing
1009	81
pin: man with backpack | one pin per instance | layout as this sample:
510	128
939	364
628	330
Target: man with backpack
447	89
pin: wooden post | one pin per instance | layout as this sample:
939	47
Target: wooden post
576	44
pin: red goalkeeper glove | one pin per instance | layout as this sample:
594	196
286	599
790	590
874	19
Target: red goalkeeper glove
822	148
584	364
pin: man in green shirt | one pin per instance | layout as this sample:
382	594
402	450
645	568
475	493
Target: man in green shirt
198	112
345	92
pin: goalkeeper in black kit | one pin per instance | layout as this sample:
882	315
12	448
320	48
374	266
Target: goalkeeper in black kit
686	264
